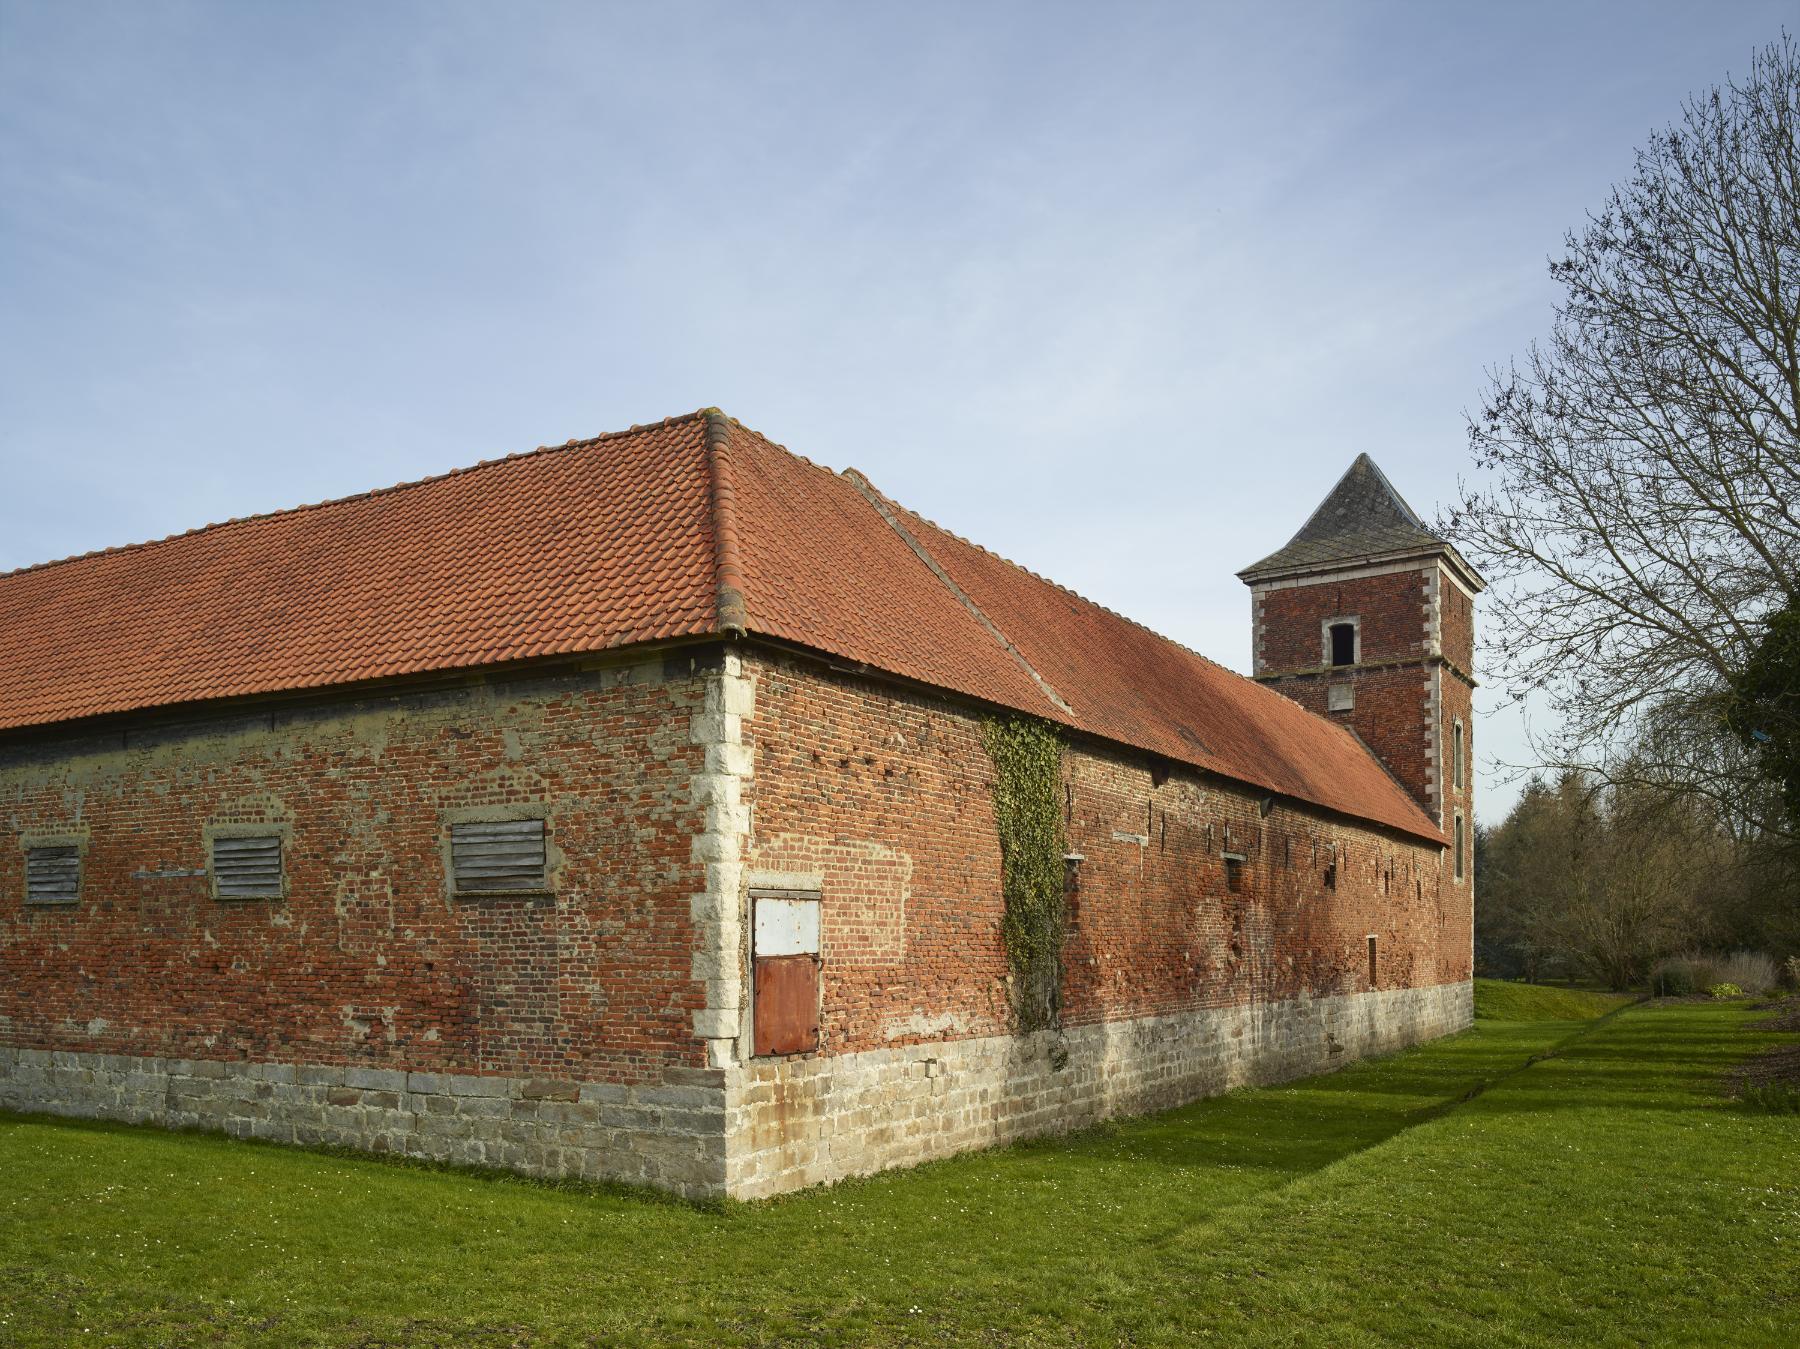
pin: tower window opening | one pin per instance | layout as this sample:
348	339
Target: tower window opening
1343	643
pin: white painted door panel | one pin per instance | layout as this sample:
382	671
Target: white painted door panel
787	927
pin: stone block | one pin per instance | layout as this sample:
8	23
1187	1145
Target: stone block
375	1079
548	1089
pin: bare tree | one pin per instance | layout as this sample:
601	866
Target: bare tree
1637	489
1636	892
1598	880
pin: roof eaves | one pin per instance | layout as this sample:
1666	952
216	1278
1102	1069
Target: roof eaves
1291	562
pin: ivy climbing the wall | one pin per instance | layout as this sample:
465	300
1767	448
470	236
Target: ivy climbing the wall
1027	758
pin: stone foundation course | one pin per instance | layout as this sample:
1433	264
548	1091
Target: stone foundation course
801	1122
670	1135
759	1129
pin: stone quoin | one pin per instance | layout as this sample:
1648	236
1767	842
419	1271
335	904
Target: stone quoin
620	809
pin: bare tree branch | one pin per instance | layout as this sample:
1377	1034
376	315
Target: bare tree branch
1636	497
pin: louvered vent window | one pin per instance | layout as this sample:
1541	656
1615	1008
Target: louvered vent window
503	855
247	867
53	875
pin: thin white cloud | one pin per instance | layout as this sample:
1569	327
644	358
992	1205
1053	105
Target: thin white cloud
1117	290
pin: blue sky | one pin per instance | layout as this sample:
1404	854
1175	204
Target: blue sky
1117	290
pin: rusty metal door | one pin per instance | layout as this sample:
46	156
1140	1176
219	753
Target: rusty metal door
785	972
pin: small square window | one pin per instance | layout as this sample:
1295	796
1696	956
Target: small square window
1340	698
500	857
246	866
53	874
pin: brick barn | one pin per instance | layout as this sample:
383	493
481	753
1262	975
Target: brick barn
621	809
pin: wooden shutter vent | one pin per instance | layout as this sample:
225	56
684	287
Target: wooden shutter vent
248	867
52	875
504	855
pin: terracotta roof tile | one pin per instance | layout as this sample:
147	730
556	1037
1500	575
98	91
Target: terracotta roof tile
690	527
1124	682
589	545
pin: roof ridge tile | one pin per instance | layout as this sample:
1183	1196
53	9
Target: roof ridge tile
728	570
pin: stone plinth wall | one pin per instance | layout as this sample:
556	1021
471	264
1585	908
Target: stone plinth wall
670	1135
801	1122
757	1130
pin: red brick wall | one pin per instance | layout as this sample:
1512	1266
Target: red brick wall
367	961
1392	609
886	796
884	793
1392	714
1458	623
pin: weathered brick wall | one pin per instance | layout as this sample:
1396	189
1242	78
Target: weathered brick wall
1175	984
1402	619
592	1034
1456	699
368	961
884	797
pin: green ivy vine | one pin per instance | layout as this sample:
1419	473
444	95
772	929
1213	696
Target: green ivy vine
1027	759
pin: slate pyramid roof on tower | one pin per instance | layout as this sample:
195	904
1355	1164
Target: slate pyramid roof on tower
1363	516
690	528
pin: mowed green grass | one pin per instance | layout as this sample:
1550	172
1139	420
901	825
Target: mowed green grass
1500	1000
1468	1192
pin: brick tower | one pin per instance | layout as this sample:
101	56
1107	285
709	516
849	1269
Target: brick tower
1368	618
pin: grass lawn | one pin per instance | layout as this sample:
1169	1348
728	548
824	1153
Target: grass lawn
1472	1191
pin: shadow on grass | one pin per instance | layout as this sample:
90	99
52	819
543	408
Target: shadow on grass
173	1228
1279	1131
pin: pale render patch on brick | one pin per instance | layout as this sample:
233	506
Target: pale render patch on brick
792	1123
874	928
720	788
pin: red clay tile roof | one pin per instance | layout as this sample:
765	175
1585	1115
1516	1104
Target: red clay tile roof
691	527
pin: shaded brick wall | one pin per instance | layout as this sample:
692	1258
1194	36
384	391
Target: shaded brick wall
1456	698
1458	623
1392	714
367	961
884	796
